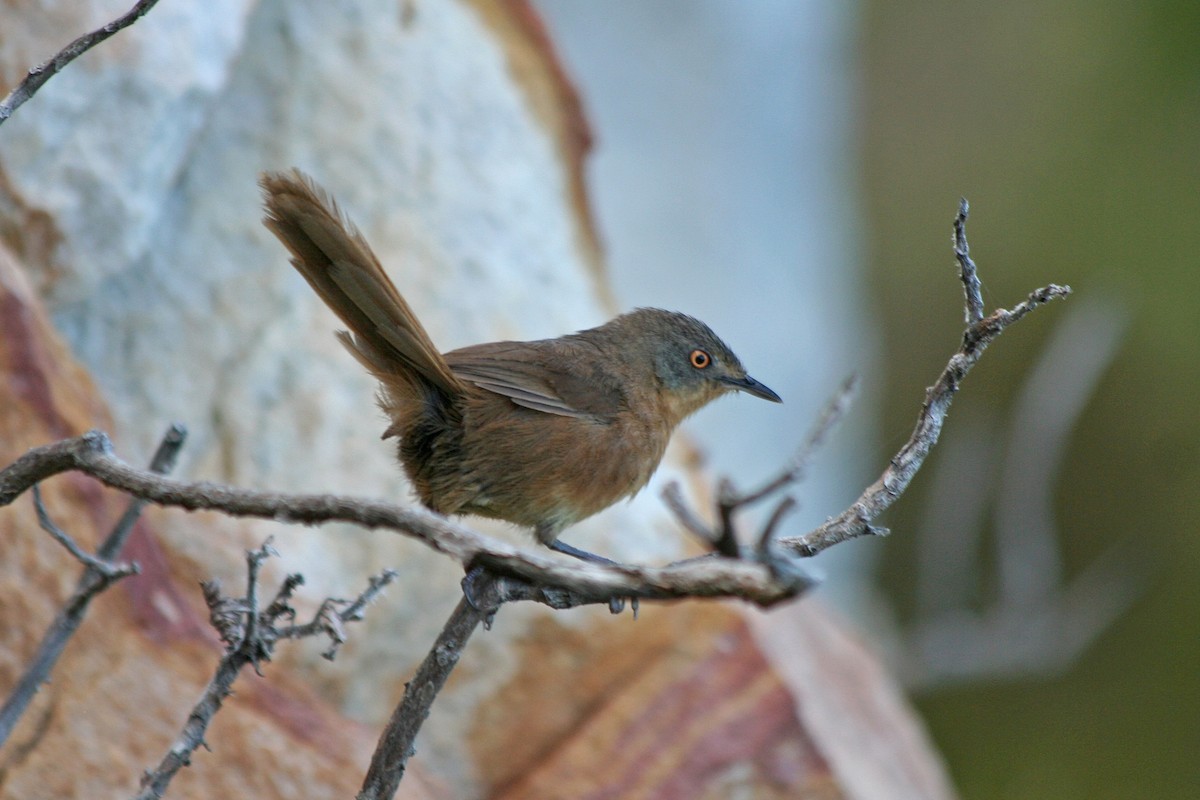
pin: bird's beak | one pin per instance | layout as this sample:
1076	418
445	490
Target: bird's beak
751	386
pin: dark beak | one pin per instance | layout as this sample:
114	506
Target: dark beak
751	386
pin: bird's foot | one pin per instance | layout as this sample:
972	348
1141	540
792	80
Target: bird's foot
478	587
615	604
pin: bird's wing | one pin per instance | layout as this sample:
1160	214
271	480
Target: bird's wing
551	376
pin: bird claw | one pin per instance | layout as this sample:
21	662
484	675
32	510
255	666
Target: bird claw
617	604
474	589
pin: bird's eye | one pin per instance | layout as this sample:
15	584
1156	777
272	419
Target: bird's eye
700	359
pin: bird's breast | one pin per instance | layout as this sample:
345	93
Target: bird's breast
538	469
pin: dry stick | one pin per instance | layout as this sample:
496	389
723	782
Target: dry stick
856	520
830	416
98	575
44	72
328	620
729	500
586	583
724	539
764	584
250	636
395	747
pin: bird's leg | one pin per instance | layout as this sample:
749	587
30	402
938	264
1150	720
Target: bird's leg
616	604
559	546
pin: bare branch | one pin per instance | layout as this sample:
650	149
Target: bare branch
672	495
728	577
1035	620
109	571
794	472
855	521
724	540
250	636
331	621
162	463
98	575
395	747
785	507
484	593
91	453
44	72
500	572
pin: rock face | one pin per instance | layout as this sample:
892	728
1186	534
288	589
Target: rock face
137	287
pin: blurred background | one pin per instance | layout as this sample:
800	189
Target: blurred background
788	171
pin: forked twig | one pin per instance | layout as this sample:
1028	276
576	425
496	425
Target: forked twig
856	520
725	539
250	636
100	572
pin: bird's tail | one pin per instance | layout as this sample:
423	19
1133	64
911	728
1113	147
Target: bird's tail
338	263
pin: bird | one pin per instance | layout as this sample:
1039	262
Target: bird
541	434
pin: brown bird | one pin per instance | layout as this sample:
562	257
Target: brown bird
542	434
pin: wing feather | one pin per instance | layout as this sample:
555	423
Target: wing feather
547	376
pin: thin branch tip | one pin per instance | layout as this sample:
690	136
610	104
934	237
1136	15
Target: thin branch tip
37	76
969	274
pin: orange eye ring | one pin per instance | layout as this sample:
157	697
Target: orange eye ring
700	359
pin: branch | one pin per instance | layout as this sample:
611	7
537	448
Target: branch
856	520
483	594
395	747
331	621
37	76
724	539
98	575
1037	620
91	454
250	636
765	582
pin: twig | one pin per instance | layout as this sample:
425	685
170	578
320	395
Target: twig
110	571
162	463
785	507
756	582
98	575
44	72
830	416
1037	620
331	621
972	289
672	495
250	636
485	594
856	520
724	540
